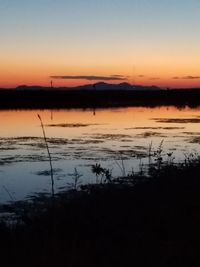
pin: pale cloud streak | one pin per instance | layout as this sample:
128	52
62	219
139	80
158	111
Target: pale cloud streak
188	77
90	77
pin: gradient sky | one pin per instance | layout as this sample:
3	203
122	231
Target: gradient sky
144	41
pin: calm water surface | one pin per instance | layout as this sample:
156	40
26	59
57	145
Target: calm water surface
80	138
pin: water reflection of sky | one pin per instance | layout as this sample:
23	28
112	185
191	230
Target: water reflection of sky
79	138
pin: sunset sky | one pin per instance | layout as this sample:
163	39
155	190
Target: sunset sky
72	42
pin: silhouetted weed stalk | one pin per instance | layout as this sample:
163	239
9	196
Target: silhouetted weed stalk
76	179
105	174
49	155
121	166
150	152
9	193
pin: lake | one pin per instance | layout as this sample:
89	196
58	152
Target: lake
80	138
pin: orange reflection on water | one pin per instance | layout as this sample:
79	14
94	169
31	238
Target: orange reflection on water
26	123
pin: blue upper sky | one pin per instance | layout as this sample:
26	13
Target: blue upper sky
82	32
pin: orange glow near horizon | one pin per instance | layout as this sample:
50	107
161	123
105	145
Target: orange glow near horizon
13	80
29	81
38	73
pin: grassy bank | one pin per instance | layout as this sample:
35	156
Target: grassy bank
139	220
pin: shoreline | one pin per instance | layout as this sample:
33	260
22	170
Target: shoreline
47	99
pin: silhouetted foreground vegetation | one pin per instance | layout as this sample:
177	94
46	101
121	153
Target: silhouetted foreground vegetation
12	98
139	220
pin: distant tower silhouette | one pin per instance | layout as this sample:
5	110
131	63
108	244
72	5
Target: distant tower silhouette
51	110
133	75
94	109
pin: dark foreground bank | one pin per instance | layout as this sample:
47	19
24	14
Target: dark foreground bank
55	98
134	221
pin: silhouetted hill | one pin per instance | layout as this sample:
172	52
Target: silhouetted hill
101	86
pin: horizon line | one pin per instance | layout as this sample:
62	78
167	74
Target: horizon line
51	86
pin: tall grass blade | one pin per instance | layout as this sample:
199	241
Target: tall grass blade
49	155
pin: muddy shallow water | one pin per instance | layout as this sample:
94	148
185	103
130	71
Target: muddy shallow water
80	138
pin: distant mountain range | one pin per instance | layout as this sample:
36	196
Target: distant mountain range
101	86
